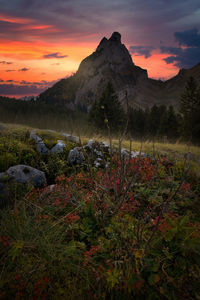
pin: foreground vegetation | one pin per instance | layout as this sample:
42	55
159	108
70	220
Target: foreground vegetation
129	230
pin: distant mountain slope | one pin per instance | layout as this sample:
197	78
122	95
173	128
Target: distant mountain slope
112	61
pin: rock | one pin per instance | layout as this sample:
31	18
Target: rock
35	137
70	137
105	144
42	148
58	148
124	153
137	153
90	144
75	156
27	175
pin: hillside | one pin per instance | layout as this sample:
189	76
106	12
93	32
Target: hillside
112	62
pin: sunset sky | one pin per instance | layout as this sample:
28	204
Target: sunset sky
42	41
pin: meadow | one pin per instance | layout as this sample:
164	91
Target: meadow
127	230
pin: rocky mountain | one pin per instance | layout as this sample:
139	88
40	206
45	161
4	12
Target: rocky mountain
112	62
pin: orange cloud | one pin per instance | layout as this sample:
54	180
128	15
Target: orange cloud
156	66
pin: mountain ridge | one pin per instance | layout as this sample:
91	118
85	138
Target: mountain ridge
111	61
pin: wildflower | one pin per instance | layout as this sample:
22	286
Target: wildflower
185	187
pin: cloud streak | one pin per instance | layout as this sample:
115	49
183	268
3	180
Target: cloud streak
24	70
54	55
3	62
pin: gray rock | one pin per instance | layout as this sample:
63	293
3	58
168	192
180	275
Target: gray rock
105	144
124	153
41	147
75	156
90	143
35	137
58	148
70	137
137	153
25	174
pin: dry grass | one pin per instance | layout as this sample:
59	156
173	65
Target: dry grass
175	149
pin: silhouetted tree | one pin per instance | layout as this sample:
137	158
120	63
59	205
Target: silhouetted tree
107	111
169	124
190	110
155	117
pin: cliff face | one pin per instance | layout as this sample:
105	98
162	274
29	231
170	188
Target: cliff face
112	62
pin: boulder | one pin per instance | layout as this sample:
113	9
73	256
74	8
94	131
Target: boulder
58	148
41	147
75	156
27	175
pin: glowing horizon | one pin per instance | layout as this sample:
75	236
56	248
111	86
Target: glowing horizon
42	42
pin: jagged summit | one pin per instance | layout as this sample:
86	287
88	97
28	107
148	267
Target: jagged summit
115	37
112	62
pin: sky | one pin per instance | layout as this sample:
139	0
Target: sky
42	41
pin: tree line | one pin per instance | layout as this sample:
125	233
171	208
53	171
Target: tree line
159	122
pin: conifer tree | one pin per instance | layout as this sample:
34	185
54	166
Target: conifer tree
107	111
190	110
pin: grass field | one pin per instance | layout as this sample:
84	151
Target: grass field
129	230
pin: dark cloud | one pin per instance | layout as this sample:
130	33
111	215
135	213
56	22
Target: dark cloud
141	50
187	56
24	70
10	70
12	89
138	20
54	55
23	87
189	38
3	62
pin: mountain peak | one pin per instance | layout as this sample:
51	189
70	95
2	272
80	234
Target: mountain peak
115	37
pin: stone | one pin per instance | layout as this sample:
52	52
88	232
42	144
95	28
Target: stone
58	148
70	137
42	148
90	144
27	175
35	137
75	156
124	153
137	153
40	145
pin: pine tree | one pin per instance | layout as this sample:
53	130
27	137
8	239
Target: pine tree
155	118
169	124
190	110
107	111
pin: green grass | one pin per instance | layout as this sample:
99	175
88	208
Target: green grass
127	232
